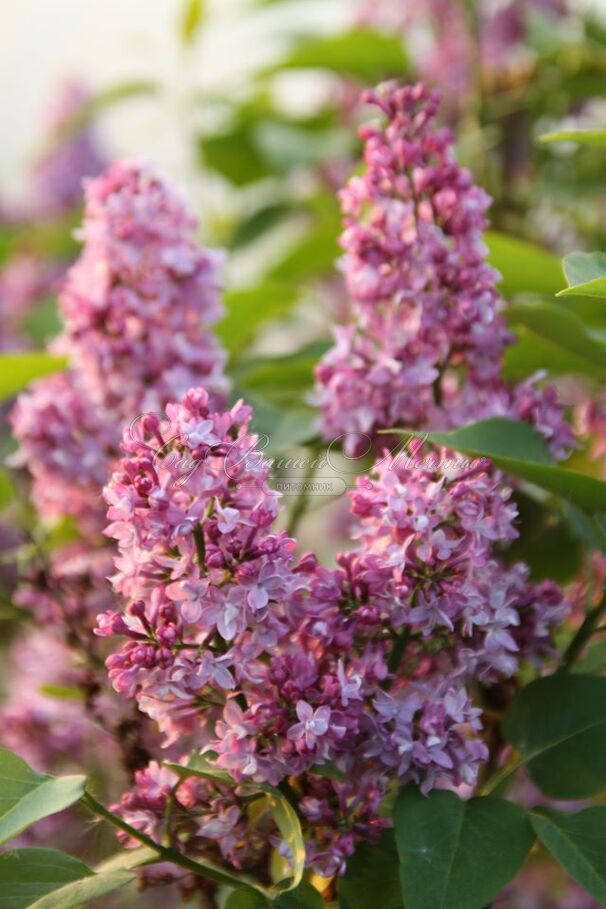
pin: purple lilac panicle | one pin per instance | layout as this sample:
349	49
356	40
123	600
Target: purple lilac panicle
138	306
426	342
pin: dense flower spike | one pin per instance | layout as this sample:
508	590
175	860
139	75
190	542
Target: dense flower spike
139	302
137	308
426	345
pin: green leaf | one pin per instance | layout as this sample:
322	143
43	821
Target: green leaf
582	136
19	369
27	796
286	146
304	897
246	899
546	543
558	724
62	692
578	843
530	353
258	223
289	826
249	310
277	378
329	770
191	19
457	854
565	330
594	661
234	155
518	449
372	870
35	878
365	54
586	274
524	266
7	490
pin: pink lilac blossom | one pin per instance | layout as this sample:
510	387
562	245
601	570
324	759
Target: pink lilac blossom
137	308
425	346
274	665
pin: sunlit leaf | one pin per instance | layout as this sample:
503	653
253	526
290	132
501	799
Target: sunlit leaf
586	274
365	54
35	878
19	369
582	136
518	449
27	796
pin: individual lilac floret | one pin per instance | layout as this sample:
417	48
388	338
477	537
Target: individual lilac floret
426	342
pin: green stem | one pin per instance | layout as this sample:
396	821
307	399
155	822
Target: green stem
395	657
589	626
200	546
167	853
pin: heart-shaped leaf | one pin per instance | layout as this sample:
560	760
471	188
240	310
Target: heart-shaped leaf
457	854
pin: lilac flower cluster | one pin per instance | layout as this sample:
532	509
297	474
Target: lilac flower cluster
137	308
275	665
426	342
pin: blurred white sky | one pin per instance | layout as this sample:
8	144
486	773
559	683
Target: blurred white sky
108	41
